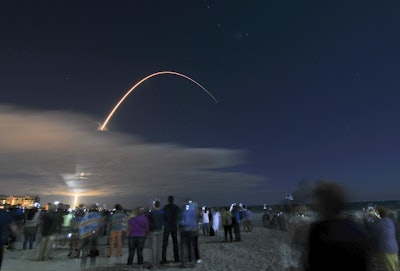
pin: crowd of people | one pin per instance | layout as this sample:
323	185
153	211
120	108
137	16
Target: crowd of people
326	236
81	229
323	238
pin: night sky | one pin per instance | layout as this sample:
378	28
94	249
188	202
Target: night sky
306	90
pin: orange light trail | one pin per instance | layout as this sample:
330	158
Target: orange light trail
103	126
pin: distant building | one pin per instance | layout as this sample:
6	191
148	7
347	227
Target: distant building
24	201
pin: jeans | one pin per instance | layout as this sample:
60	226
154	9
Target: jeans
206	228
228	230
88	244
189	247
174	235
28	238
236	231
156	239
136	243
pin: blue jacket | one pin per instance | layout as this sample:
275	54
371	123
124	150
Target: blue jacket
189	220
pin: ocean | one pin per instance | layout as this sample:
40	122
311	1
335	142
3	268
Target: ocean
393	205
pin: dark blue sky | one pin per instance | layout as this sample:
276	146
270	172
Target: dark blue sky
308	89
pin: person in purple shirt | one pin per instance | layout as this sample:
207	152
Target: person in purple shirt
138	228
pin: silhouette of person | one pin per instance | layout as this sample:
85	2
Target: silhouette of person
51	225
171	216
156	216
90	229
189	223
7	222
226	219
115	228
387	246
30	227
138	228
335	241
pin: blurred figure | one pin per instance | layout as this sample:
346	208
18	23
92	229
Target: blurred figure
75	244
90	228
51	226
66	225
171	215
116	226
299	228
226	219
247	220
206	221
138	228
236	221
31	227
385	233
7	223
216	221
156	216
335	241
189	229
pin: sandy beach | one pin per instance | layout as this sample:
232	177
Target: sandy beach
260	249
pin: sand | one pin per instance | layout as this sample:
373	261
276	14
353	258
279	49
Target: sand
260	249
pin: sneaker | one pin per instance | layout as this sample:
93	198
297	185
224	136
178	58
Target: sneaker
199	261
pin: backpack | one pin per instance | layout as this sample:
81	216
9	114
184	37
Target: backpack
228	219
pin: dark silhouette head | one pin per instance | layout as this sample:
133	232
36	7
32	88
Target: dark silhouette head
118	207
382	211
31	213
171	199
330	199
157	204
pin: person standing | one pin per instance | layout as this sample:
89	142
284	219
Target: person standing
236	221
115	228
171	215
90	228
386	241
216	221
156	216
7	223
30	227
189	229
247	217
206	221
51	225
138	228
226	219
75	244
